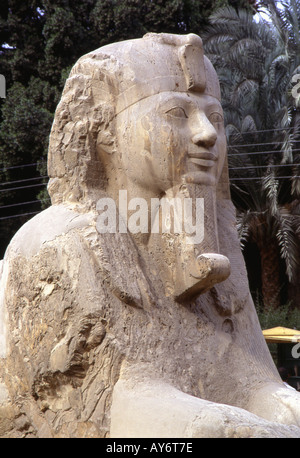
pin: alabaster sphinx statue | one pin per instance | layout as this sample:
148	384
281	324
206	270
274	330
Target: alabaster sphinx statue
125	306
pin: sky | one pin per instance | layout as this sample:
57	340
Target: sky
263	13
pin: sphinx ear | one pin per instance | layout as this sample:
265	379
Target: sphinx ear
106	142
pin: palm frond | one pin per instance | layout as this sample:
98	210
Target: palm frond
288	243
270	185
243	229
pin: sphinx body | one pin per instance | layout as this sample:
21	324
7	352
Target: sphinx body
128	334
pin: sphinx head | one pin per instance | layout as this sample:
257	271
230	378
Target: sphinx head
146	110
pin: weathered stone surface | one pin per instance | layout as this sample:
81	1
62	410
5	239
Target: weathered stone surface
136	332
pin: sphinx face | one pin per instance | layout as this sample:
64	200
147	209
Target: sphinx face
171	138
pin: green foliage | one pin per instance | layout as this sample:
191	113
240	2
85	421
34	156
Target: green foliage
117	21
282	316
249	5
25	126
256	63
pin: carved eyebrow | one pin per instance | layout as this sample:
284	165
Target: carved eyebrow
175	100
173	103
181	97
215	106
185	100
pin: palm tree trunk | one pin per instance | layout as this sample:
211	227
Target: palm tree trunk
270	273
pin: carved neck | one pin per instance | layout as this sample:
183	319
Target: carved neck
191	206
192	209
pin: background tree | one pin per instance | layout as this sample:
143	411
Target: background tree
256	69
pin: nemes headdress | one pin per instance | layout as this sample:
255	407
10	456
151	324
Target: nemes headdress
105	82
139	68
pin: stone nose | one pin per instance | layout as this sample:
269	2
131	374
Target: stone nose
204	133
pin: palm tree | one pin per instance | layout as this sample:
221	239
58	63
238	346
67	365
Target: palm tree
286	21
272	228
255	71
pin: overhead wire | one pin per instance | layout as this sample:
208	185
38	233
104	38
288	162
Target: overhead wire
20	203
3	169
230	168
230	154
271	166
23	187
267	130
22	181
16	216
243	145
256	153
260	178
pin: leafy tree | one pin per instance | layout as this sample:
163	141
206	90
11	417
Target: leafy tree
248	5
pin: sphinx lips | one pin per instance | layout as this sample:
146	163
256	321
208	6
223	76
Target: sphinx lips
204	159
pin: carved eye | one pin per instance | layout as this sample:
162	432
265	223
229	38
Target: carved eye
215	118
177	112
